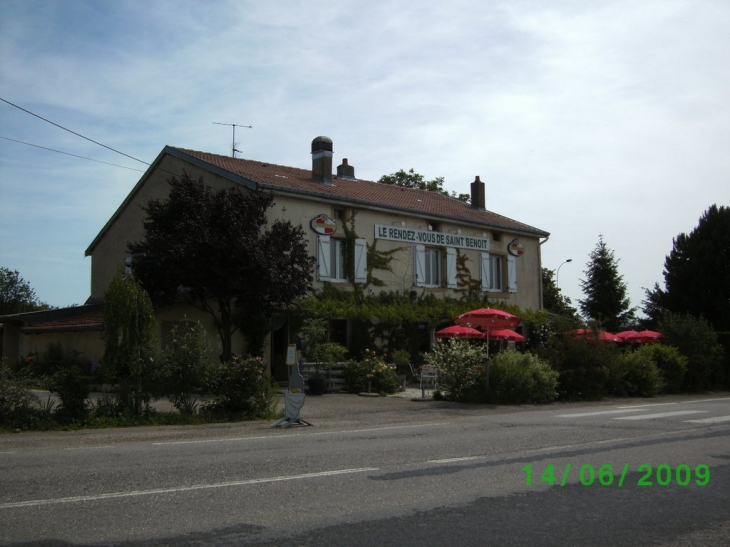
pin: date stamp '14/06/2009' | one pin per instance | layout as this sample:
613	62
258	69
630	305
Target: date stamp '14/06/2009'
662	475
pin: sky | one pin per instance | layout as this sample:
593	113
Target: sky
584	119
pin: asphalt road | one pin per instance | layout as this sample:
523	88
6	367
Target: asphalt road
384	471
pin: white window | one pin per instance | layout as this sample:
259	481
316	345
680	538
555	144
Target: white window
332	257
428	267
337	260
512	273
490	270
451	268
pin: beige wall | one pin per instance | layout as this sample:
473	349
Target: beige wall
109	254
87	345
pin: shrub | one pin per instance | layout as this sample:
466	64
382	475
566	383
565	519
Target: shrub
371	373
634	374
455	361
242	387
182	368
671	364
521	378
695	339
583	366
72	388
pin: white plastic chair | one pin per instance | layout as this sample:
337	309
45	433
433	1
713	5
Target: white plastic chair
429	374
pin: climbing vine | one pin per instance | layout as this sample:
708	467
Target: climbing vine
376	259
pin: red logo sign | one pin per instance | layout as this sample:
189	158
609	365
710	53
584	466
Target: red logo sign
516	248
323	225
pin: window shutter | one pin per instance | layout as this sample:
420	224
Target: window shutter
512	273
484	270
323	258
361	261
420	266
451	268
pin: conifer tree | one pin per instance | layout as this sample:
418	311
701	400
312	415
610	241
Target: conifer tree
605	290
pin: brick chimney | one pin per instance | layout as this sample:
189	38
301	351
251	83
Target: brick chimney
322	159
478	195
345	171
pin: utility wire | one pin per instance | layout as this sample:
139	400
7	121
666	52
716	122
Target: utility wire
74	132
69	154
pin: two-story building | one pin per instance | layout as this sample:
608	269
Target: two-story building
437	240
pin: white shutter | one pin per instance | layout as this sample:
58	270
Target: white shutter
420	266
484	270
323	258
451	268
512	273
361	261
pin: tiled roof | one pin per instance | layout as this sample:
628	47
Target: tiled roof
364	192
78	318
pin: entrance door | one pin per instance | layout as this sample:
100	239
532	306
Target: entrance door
279	344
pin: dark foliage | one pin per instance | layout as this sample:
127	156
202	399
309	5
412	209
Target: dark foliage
605	291
212	249
16	294
697	273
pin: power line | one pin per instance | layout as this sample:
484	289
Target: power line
69	154
73	132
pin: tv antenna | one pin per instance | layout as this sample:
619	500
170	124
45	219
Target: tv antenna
233	142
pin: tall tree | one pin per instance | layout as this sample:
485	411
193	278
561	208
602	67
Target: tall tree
130	330
411	179
16	294
553	299
605	291
212	249
697	273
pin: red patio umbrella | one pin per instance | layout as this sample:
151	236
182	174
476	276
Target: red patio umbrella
644	337
487	319
506	335
603	336
626	334
457	331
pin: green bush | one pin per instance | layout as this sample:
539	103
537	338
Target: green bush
455	361
671	364
695	339
242	387
521	378
372	373
583	366
634	374
182	368
72	388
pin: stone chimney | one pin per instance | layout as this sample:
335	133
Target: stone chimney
322	159
478	195
345	171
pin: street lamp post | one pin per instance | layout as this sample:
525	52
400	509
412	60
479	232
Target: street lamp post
557	275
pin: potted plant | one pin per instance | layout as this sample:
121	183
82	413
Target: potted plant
322	353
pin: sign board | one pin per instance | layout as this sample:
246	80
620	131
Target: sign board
291	354
324	225
424	237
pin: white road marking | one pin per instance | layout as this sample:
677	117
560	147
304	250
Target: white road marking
715	420
661	415
645	406
705	401
290	435
599	413
133	493
464	459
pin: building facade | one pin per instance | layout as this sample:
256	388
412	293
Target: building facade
436	242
